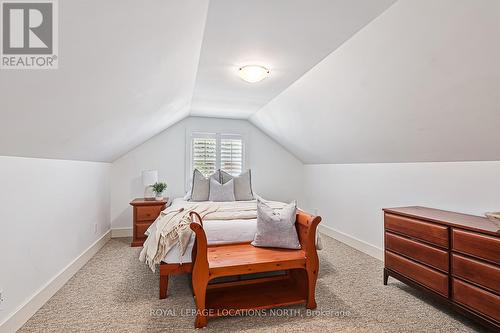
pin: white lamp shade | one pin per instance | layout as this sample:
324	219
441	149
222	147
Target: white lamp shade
149	177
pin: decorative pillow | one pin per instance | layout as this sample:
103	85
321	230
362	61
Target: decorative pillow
200	190
242	185
276	229
221	192
187	197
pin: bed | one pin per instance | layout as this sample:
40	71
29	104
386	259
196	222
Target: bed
218	231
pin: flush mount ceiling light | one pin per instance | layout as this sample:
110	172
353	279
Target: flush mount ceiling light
253	73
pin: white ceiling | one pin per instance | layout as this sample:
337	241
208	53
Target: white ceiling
287	36
127	71
420	83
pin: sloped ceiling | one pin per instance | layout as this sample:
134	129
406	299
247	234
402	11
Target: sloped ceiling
419	83
127	71
415	81
287	36
128	68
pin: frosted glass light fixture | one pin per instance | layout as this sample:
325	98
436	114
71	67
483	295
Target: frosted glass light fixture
253	73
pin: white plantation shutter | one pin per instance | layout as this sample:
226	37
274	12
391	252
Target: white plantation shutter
231	154
204	154
212	151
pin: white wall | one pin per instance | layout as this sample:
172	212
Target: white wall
48	209
350	197
276	174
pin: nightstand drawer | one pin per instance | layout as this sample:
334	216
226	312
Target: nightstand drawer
140	229
145	213
148	213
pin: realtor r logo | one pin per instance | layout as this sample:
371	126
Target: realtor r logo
29	34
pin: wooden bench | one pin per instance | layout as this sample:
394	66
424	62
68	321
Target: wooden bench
296	286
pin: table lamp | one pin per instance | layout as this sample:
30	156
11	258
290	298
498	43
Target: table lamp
149	177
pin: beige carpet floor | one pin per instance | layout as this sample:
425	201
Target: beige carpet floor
113	292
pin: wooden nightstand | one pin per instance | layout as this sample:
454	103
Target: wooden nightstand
145	213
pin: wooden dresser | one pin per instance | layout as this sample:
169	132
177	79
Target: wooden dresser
145	213
454	256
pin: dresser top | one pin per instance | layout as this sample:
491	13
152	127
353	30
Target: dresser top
464	221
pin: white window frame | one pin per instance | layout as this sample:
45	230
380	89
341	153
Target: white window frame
191	134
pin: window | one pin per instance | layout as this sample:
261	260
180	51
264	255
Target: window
212	151
231	154
204	154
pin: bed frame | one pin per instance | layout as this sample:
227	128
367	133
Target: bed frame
306	225
297	286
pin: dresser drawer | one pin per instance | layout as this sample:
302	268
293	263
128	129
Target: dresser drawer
147	213
477	245
420	252
481	273
424	275
476	299
426	231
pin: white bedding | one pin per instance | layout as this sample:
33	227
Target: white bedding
217	231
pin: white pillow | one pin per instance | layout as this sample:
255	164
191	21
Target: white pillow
221	192
187	197
242	184
200	190
276	228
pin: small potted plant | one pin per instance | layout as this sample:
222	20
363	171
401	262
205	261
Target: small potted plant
158	188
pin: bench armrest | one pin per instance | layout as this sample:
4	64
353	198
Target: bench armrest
306	225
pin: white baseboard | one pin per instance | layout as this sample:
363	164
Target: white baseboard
122	232
27	310
358	244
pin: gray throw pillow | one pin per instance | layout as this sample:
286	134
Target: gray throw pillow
200	190
242	185
276	229
221	192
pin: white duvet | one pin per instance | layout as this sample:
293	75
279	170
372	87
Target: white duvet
219	230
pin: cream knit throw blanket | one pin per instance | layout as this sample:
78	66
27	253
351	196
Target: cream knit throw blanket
172	226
